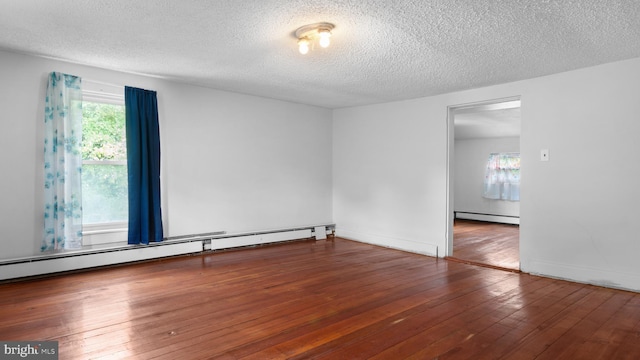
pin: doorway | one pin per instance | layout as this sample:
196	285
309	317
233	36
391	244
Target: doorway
483	183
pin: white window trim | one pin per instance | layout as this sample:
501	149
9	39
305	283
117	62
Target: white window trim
98	91
107	233
103	233
104	162
105	228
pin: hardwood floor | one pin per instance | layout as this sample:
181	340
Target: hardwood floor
333	299
487	243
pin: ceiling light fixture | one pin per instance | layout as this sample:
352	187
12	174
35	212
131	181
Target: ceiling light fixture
308	33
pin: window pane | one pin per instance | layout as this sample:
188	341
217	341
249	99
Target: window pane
104	193
104	186
103	132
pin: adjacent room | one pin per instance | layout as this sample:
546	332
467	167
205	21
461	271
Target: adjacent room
295	179
485	172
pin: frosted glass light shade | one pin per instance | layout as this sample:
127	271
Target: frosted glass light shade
303	46
325	38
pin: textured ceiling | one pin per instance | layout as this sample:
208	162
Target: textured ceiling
381	50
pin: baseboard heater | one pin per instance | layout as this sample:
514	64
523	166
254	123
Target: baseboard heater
505	219
113	254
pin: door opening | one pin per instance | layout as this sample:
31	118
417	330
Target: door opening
483	169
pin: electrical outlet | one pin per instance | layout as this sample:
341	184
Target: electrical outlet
544	155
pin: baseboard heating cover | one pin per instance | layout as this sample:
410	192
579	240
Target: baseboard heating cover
75	261
505	219
123	253
226	242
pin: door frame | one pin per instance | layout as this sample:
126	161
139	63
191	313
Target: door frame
493	104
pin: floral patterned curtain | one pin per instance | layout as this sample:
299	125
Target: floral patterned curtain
502	177
62	163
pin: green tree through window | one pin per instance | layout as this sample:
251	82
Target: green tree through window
104	166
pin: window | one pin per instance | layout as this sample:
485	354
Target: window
502	177
104	163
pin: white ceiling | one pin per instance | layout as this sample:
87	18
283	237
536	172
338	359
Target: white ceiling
381	50
487	124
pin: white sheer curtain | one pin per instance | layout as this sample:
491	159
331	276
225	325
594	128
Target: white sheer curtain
502	177
62	163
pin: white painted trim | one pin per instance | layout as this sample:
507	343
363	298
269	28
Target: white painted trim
104	162
105	233
586	275
448	250
101	92
423	248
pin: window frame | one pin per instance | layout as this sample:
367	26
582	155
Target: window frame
115	231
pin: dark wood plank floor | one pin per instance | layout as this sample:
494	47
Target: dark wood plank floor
487	243
334	299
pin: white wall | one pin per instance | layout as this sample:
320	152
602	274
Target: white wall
389	164
470	163
579	211
579	217
237	163
234	162
229	162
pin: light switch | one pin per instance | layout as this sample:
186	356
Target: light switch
544	155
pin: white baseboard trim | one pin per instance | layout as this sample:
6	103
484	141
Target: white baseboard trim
390	242
586	275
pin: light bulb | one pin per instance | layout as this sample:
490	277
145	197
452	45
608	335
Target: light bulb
303	46
324	38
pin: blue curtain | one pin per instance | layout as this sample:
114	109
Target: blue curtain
62	163
143	164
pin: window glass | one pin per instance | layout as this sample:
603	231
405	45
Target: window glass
502	177
104	166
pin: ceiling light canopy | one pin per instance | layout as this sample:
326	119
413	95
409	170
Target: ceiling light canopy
309	33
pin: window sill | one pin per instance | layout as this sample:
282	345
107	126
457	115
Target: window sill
104	228
98	234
